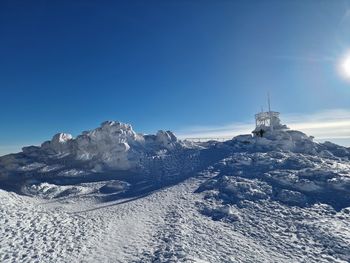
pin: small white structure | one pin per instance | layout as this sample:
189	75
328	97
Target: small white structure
267	121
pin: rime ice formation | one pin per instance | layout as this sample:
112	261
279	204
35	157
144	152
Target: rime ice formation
113	145
114	195
60	143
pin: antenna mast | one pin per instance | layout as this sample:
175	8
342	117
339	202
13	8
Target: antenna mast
270	114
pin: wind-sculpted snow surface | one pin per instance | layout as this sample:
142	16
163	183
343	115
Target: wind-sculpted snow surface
284	191
31	233
296	172
114	195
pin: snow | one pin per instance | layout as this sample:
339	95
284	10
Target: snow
114	195
50	191
59	143
31	233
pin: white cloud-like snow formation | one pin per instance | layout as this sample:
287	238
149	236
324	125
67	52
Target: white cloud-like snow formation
332	125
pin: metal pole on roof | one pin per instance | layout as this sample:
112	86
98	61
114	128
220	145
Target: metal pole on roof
269	103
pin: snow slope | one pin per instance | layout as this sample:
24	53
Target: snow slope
113	195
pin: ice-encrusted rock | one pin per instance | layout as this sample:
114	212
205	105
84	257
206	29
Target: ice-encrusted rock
113	145
287	140
291	197
234	188
60	143
245	189
62	138
30	149
297	170
49	191
166	138
114	186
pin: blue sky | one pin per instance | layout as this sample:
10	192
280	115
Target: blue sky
189	66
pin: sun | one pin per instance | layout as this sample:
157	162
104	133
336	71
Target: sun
345	66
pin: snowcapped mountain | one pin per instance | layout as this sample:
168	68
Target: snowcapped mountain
114	195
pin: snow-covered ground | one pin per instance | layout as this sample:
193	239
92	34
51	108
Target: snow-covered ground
112	195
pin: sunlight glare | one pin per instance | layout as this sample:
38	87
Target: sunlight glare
345	66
